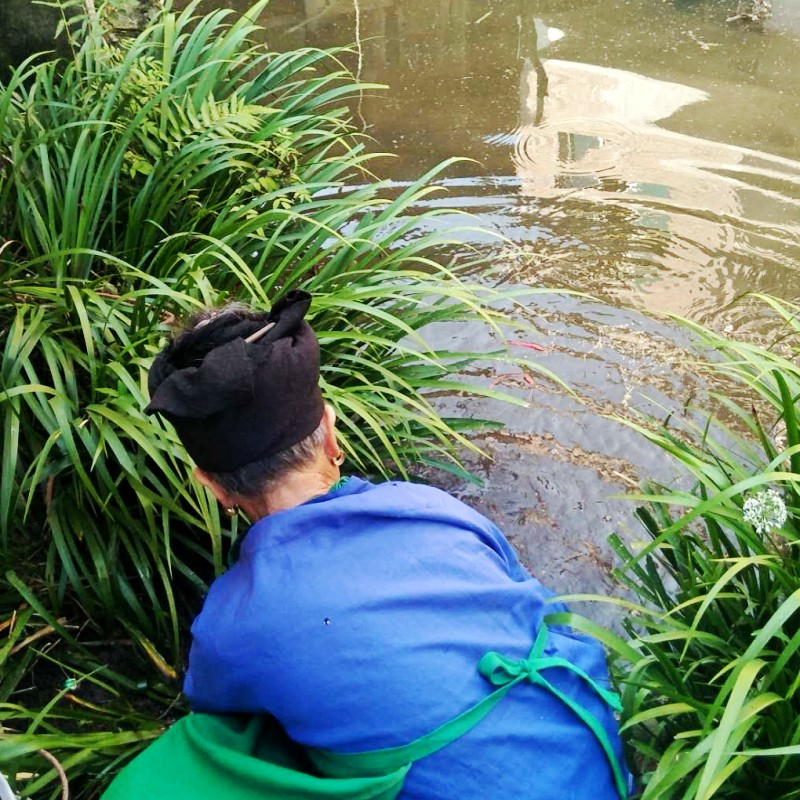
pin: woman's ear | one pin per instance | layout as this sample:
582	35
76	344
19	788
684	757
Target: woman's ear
330	445
204	479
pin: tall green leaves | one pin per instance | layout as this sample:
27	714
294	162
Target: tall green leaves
139	182
712	700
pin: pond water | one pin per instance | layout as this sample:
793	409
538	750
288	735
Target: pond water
651	146
644	152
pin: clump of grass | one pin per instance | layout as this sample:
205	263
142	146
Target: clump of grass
710	672
138	182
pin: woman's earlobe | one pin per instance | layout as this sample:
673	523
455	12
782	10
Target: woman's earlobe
330	444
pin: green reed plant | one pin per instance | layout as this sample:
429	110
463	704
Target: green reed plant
140	181
710	673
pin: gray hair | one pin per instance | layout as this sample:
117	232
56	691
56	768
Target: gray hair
241	310
258	477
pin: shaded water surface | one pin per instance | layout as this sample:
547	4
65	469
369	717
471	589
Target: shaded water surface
645	152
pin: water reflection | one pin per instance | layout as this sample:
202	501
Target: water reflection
655	145
785	17
592	137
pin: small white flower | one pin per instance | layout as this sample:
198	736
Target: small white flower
765	511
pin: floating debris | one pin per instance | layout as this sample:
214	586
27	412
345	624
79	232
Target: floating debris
704	45
753	11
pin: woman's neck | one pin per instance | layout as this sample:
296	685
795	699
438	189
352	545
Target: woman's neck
293	490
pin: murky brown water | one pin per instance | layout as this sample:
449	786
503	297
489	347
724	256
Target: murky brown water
653	146
642	151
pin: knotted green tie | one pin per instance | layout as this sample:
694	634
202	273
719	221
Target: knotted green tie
505	673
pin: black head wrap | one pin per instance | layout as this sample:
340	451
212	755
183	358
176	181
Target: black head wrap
234	402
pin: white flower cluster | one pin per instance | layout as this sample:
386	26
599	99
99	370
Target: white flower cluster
765	511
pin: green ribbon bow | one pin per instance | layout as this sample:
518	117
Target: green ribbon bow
505	673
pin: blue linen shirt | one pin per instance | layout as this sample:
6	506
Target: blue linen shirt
358	620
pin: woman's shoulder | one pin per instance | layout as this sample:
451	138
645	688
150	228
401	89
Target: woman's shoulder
355	496
411	494
423	506
409	499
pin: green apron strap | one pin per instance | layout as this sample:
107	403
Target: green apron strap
499	671
502	671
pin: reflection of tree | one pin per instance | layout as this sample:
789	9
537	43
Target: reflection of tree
541	90
451	66
359	44
454	20
538	67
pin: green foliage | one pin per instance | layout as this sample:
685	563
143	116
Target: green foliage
139	182
711	685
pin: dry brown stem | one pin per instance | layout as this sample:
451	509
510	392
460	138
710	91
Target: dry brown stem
60	770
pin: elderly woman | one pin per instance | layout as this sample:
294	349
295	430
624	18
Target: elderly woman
385	635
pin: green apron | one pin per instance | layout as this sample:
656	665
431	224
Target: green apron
209	756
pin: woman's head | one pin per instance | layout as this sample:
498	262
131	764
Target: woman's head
241	388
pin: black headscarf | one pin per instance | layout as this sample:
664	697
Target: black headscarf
234	402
